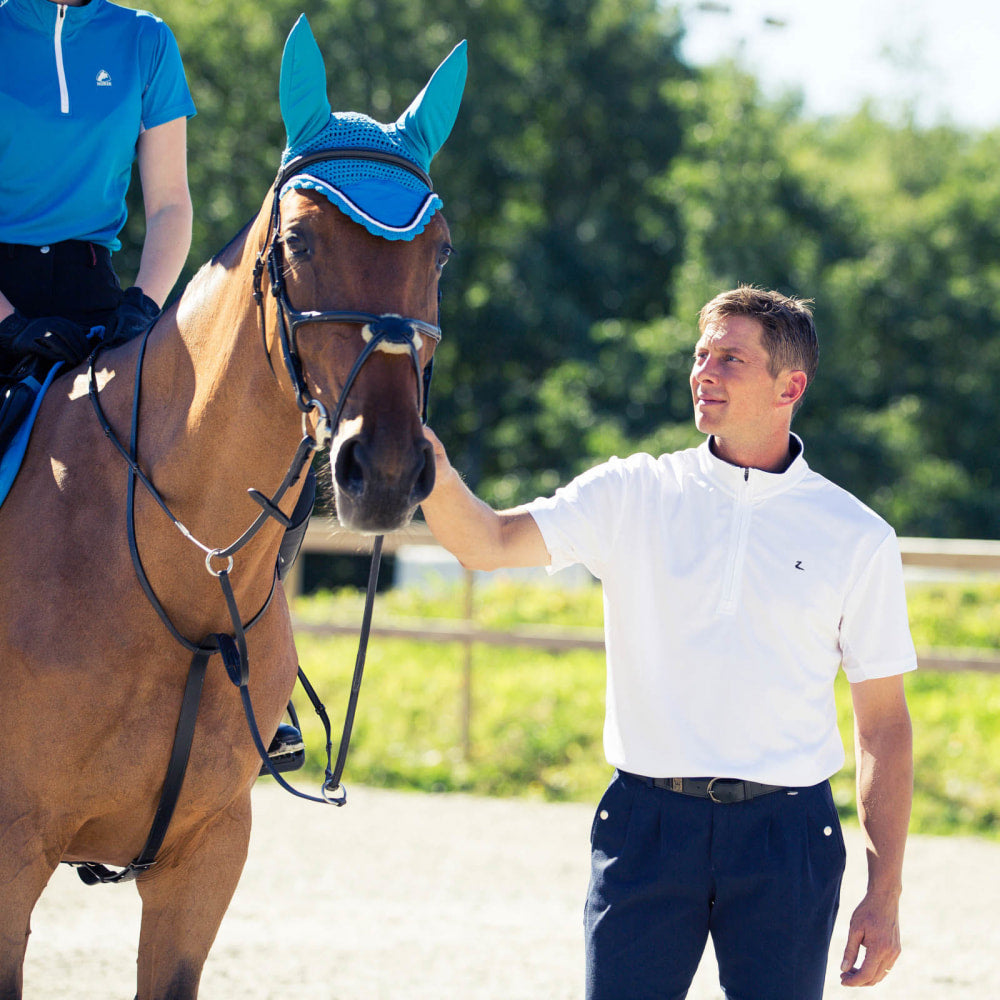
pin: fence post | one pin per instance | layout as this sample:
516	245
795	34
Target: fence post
469	610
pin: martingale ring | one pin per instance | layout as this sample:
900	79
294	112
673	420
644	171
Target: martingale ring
217	554
336	795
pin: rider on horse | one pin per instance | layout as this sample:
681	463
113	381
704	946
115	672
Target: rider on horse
90	87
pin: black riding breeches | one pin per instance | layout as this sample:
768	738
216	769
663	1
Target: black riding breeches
73	279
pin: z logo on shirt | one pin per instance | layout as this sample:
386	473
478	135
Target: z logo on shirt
798	565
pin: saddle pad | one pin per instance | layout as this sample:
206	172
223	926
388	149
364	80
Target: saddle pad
10	461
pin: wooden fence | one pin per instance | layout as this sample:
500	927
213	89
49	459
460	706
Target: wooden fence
325	536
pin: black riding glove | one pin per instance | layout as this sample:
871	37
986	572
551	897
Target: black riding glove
51	338
136	313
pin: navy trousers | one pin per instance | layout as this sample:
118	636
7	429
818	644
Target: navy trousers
762	877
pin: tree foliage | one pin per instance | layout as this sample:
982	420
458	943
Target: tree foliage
599	191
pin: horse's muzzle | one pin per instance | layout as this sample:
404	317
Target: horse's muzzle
369	497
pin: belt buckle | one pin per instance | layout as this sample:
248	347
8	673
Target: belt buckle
711	791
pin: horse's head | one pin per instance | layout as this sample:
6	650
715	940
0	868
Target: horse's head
357	248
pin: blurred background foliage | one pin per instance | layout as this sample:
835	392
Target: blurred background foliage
533	717
599	191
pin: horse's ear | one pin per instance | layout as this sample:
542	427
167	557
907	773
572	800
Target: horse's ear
427	122
305	108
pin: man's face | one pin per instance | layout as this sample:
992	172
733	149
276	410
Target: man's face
736	398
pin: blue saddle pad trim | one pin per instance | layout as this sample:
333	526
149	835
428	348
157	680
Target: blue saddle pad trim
10	462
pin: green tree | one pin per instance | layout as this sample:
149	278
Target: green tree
599	191
907	419
546	178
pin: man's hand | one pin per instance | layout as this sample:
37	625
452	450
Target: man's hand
875	926
51	338
441	461
478	536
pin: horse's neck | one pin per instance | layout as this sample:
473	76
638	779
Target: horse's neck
215	419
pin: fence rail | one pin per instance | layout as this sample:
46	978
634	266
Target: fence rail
960	554
325	536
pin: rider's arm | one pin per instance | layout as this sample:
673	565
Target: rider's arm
162	158
478	536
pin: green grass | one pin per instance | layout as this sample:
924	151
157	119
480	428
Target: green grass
536	717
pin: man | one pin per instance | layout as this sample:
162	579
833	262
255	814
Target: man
736	582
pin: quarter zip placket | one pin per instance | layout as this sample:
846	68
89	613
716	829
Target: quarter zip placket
60	68
737	547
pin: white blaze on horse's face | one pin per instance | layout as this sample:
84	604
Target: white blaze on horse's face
392	347
347	430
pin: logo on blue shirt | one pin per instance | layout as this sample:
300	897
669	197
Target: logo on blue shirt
104	78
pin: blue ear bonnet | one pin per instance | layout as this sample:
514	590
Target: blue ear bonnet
387	200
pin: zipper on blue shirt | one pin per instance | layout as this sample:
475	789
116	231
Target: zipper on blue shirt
60	68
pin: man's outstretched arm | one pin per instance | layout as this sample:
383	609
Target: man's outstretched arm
478	536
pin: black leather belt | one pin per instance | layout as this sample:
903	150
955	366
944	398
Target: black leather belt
724	791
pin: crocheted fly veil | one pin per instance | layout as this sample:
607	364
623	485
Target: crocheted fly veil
387	200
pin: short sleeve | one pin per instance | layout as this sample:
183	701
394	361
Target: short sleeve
579	522
875	636
165	95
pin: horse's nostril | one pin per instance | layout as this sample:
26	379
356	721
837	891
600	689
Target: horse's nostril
424	482
362	481
349	468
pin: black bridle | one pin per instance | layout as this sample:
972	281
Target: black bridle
377	329
388	328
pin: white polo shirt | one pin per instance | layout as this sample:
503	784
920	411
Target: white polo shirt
731	598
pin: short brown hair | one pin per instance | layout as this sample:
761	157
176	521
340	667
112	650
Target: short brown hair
789	335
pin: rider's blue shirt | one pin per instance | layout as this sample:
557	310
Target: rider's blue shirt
77	87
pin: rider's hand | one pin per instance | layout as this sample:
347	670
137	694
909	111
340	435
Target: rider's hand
136	313
52	338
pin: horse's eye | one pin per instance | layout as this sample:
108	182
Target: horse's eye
443	254
295	245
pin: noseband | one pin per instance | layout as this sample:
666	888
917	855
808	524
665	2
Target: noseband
377	329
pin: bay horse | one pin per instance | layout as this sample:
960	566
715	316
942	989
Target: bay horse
207	411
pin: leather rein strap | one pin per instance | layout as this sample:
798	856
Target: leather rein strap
219	562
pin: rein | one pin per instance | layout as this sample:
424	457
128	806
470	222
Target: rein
377	329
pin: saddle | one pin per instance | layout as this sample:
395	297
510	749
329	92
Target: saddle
28	363
21	394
